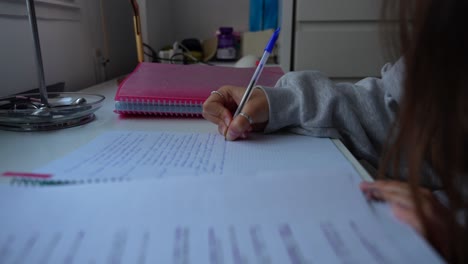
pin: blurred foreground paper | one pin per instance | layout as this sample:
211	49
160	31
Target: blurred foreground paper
301	217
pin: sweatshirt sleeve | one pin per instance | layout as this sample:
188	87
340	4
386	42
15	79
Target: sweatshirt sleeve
359	114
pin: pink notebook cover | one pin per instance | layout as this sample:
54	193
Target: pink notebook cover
185	84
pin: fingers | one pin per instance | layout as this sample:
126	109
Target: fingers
254	116
385	190
398	196
239	127
220	106
409	217
393	191
216	108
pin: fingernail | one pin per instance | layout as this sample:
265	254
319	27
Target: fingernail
222	130
227	121
232	135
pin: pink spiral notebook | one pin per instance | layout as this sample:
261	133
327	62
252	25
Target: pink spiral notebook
176	89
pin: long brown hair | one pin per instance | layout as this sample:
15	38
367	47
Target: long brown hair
432	125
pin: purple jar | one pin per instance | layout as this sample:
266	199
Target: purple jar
226	44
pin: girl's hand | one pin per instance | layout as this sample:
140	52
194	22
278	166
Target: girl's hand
221	105
399	197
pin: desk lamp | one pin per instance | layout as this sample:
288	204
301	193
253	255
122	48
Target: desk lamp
46	111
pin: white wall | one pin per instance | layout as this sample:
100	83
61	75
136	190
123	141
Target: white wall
201	19
76	39
159	18
174	20
66	54
71	37
120	36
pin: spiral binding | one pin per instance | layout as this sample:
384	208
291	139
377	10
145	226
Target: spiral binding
158	107
18	181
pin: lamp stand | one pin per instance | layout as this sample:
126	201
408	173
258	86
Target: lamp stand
38	112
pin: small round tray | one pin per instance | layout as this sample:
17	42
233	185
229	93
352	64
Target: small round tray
25	112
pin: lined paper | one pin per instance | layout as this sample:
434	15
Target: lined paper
131	155
307	217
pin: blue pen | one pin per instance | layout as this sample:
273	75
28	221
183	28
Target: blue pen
258	70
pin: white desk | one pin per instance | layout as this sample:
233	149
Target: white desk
26	151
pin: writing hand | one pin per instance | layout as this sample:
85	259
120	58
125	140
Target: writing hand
220	106
398	195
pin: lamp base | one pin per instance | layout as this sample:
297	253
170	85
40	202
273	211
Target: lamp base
46	126
26	112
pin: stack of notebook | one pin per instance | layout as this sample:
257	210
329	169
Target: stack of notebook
176	89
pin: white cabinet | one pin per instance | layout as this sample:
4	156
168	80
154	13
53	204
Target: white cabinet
338	37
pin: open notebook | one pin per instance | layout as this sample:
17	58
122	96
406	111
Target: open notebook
302	217
196	198
135	155
175	89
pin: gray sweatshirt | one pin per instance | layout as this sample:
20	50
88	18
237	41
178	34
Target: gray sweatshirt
361	114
